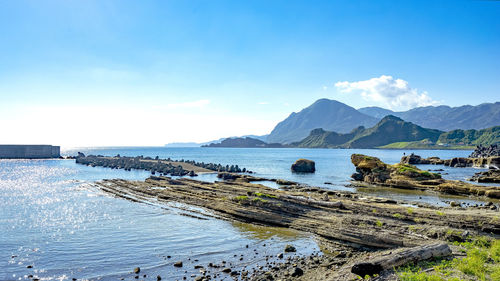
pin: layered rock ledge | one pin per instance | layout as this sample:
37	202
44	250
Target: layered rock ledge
361	223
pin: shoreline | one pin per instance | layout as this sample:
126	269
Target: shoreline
320	212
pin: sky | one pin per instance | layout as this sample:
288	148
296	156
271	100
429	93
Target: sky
125	73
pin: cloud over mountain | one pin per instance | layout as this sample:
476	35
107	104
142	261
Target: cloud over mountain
393	93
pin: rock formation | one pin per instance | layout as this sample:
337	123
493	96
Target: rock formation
304	166
371	170
485	151
157	165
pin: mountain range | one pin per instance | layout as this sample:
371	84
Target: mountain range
332	115
388	130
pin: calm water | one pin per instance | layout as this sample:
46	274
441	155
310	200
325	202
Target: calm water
53	219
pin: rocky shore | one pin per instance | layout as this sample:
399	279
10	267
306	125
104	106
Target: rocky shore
355	228
156	165
371	170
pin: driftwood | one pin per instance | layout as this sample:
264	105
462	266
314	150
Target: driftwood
411	255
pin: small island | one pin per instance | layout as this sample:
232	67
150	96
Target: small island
246	142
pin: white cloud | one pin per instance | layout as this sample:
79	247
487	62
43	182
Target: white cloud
393	93
263	103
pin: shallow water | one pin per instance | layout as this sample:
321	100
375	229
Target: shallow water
333	166
54	219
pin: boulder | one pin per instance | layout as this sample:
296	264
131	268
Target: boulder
413	159
490	176
304	166
365	162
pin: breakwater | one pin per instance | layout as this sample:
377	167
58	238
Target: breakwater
156	165
29	151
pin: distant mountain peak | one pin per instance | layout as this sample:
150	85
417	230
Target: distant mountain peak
332	115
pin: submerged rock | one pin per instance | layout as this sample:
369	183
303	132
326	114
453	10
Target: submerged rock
304	166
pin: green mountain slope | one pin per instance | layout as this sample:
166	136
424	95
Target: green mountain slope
389	130
392	129
471	137
320	138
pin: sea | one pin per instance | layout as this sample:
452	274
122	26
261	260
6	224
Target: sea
56	225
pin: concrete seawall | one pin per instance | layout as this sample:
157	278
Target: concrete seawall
29	151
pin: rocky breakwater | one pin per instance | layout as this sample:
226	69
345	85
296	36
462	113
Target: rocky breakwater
156	165
358	225
372	171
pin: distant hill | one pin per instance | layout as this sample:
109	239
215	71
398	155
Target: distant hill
328	114
319	138
377	112
487	136
199	144
243	143
445	118
389	130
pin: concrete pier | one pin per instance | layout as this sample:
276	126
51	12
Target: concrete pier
29	151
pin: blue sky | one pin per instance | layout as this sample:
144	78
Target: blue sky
200	70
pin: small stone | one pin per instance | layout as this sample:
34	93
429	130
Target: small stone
296	272
29	266
280	255
158	277
178	264
137	270
290	248
226	270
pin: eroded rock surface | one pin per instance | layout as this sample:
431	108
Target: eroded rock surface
371	170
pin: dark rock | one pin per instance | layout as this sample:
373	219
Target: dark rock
296	272
227	270
178	264
304	166
485	151
413	159
290	248
366	268
137	270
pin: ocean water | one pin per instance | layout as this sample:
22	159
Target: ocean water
333	166
55	225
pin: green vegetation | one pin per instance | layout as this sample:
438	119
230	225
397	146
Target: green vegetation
398	216
410	170
241	198
265	195
409	211
423	144
379	223
257	199
471	137
482	262
439	213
